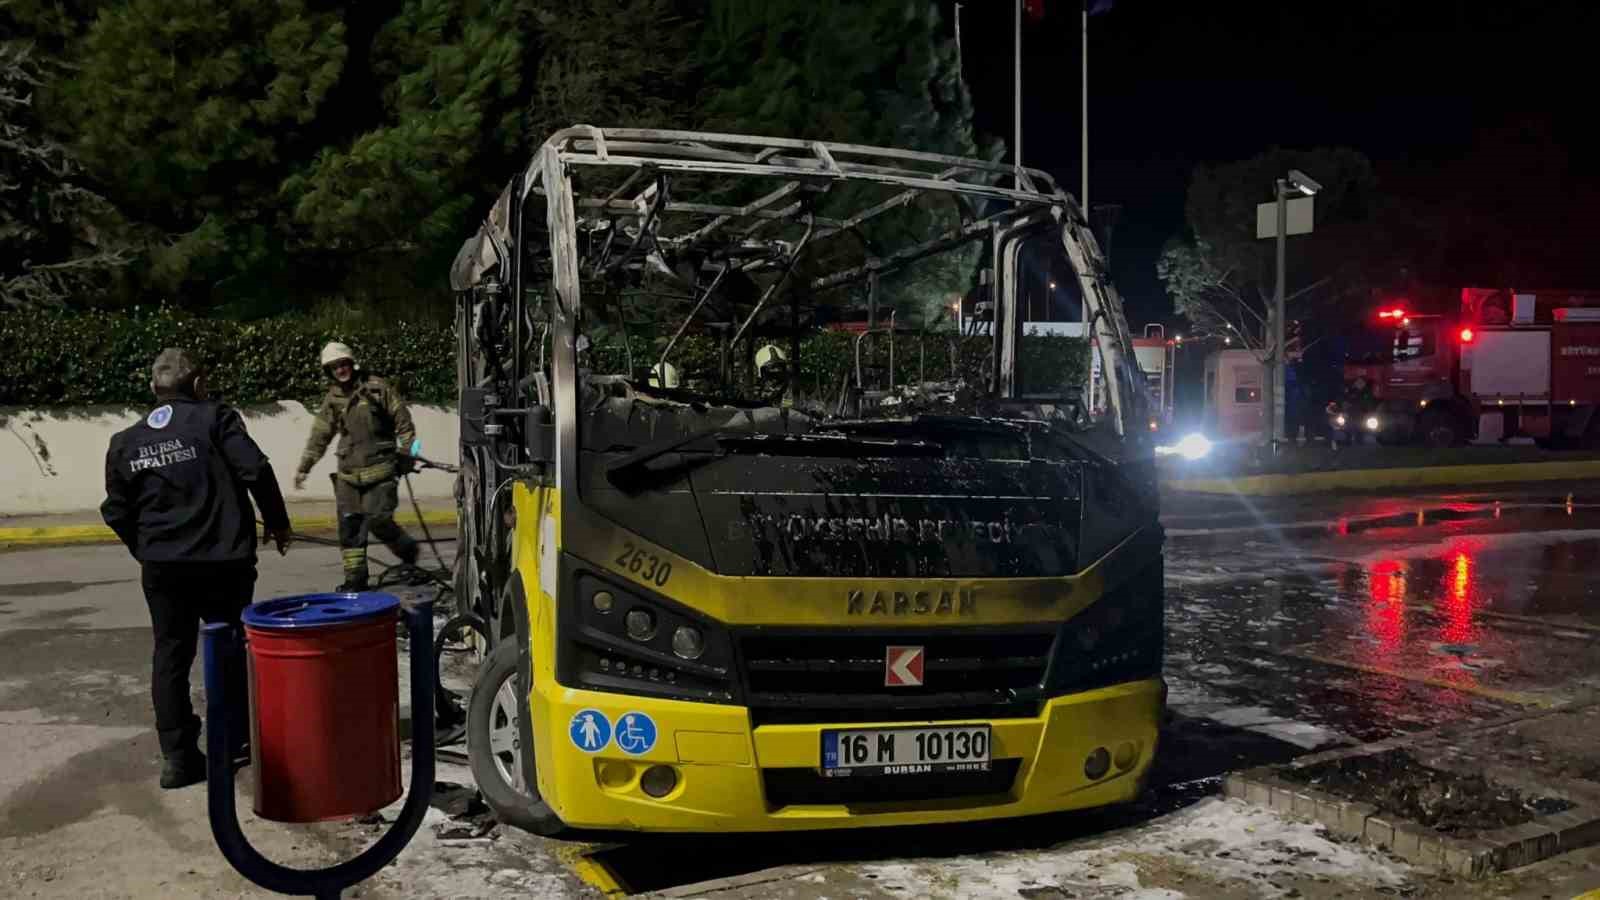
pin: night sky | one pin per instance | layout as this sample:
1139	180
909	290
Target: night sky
1410	83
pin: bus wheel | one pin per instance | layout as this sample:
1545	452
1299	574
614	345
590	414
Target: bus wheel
1440	429
499	745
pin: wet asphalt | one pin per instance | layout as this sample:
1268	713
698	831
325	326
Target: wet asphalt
1293	624
1371	617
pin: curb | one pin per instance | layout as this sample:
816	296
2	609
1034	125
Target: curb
53	535
1504	848
1372	479
1480	857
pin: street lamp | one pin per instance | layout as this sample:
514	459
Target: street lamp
1304	184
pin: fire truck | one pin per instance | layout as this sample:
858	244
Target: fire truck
1155	354
1504	364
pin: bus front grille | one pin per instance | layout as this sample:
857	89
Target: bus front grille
830	676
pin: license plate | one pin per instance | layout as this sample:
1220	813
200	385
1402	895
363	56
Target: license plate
906	751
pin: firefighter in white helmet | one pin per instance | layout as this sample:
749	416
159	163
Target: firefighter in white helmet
772	369
376	442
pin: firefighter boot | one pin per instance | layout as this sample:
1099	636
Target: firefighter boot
181	769
353	551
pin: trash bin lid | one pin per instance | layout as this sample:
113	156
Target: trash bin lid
314	610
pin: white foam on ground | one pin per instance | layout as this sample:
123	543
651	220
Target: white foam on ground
1191	699
1262	721
1179	578
1245	849
476	869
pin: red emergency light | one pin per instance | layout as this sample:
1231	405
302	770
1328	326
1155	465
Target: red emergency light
1467	335
1396	313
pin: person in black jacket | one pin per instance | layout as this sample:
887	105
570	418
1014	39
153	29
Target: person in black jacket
178	488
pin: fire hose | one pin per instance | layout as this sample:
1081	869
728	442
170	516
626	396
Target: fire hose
449	712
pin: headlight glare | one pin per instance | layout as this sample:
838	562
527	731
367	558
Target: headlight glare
1194	446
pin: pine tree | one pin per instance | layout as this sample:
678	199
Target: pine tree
615	64
271	153
192	115
883	73
839	70
450	73
60	242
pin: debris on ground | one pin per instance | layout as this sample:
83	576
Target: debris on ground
457	800
1396	782
469	817
464	829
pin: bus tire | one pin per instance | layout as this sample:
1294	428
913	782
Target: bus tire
495	744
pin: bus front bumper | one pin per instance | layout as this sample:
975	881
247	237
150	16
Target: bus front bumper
734	778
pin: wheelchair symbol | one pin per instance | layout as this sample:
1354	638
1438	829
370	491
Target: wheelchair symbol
636	733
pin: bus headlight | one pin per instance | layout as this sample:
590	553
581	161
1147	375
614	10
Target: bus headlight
1372	423
688	642
627	639
641	624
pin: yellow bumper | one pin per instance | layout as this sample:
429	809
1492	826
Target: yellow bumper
720	759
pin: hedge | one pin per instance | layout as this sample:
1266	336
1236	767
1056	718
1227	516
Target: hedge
50	358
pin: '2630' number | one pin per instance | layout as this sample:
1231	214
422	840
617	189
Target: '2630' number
646	565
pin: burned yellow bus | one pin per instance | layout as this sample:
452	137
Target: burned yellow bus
740	572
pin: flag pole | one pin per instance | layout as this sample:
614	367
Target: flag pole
1083	150
1016	113
1083	112
958	37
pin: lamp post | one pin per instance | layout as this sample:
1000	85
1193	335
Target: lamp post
1275	388
1016	97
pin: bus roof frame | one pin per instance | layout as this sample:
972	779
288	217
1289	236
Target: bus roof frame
654	156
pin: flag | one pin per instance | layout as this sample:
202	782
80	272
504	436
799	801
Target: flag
1035	8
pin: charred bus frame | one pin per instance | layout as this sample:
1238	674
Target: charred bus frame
506	435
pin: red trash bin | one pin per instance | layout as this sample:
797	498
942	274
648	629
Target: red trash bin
324	689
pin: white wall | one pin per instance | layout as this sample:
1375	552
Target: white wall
53	461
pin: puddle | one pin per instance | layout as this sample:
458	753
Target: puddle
1396	782
52	588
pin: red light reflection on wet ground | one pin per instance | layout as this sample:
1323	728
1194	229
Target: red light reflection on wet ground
1386	608
1460	595
1449	583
